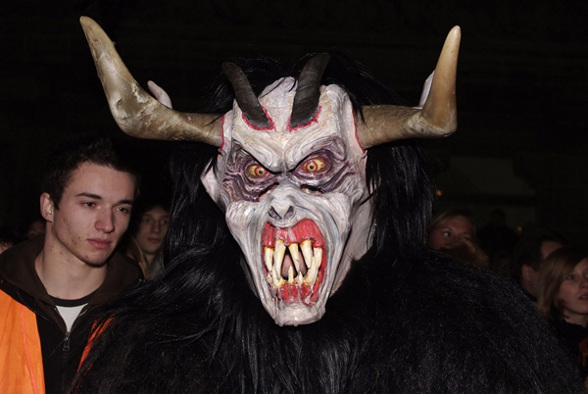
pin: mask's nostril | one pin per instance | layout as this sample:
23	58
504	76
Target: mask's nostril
281	215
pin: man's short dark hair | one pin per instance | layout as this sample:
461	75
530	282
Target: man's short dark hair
68	157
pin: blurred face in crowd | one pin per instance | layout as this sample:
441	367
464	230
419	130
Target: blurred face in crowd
151	230
92	215
450	231
573	295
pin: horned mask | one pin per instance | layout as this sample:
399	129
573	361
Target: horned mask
290	174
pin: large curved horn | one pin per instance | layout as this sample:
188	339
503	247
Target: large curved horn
246	98
308	93
136	112
437	118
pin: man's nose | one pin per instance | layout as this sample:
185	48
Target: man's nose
105	221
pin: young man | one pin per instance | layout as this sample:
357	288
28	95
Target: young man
49	286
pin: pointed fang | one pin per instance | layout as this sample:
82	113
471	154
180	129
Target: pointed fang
306	247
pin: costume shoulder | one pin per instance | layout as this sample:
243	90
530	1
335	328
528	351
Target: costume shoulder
456	328
423	325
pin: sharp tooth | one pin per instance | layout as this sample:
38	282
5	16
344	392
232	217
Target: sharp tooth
295	254
278	282
311	275
318	257
278	258
291	275
306	247
267	258
300	279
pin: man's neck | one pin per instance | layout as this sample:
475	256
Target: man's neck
68	279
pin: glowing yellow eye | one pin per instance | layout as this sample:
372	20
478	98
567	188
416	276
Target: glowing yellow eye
256	171
314	165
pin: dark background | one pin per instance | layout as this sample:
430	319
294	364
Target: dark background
522	85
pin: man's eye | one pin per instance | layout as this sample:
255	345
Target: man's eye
446	234
89	204
256	171
314	165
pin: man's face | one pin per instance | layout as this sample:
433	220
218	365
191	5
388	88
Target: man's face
92	215
152	228
295	200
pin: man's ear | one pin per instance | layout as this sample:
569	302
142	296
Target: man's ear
47	207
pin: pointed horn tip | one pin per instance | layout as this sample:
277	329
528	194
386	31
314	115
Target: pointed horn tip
87	22
454	34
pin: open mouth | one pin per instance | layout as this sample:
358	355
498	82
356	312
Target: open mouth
294	261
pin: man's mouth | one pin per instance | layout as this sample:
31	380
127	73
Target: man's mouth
294	261
100	243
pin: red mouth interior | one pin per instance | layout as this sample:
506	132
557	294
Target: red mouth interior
304	230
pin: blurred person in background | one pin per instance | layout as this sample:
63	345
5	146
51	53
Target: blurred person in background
144	239
530	252
563	301
9	237
453	232
35	228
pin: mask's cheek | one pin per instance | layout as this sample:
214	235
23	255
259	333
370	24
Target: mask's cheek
245	224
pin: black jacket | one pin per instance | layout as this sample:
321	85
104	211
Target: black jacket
61	350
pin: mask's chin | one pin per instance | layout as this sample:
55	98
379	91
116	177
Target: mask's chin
296	314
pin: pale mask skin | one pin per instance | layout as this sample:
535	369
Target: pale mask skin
295	200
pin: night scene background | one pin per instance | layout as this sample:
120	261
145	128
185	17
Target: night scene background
522	89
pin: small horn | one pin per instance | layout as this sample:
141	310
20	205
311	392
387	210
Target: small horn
245	96
136	112
308	93
437	118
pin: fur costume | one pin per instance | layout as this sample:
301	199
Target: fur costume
403	319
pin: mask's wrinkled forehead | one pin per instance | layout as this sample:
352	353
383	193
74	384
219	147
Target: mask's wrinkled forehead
280	147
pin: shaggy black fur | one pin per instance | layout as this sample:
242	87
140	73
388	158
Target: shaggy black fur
405	320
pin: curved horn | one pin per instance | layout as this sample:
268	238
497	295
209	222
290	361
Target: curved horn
245	96
437	118
308	91
134	110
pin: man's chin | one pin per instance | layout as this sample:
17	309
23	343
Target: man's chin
97	261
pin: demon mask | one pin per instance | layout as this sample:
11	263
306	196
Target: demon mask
290	175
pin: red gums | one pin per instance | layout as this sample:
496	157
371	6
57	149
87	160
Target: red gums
303	230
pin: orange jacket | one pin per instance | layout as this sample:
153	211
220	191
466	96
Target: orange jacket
21	360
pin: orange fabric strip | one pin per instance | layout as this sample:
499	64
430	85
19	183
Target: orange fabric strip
21	360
